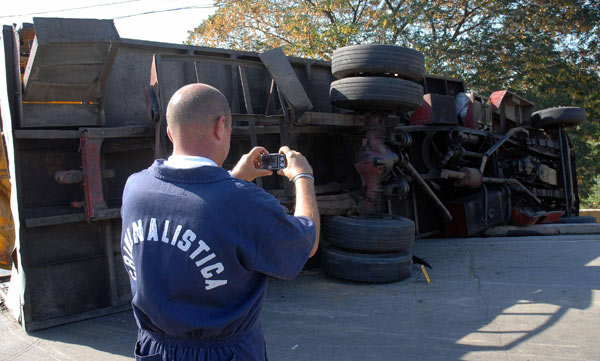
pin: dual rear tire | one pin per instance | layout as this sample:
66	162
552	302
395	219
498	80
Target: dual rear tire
368	250
366	267
378	60
375	93
377	78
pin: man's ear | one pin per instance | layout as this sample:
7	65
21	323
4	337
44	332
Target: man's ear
221	128
169	134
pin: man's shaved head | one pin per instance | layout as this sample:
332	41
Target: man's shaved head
196	104
199	122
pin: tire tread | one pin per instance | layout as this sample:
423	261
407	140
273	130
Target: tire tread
366	267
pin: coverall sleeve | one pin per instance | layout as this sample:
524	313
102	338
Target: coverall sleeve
286	243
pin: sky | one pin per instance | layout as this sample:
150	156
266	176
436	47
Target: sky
135	19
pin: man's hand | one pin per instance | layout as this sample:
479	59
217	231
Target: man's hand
248	167
296	163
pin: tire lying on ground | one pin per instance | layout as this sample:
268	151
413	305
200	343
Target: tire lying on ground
366	267
556	117
376	93
376	59
363	234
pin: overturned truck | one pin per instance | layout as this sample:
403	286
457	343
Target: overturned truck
397	154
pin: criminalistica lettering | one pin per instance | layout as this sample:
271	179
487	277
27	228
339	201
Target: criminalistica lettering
174	236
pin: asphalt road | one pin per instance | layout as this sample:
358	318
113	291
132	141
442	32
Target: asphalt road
520	298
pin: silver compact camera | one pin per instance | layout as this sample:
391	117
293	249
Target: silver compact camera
273	161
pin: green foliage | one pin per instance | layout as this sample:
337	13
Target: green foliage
545	50
593	198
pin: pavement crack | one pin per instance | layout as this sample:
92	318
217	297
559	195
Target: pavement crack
23	351
501	341
474	275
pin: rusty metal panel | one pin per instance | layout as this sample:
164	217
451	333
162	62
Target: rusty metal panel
509	110
61	115
123	287
91	149
442	85
60	30
40	194
66	272
436	109
320	79
11	75
280	69
214	74
70	59
474	213
124	99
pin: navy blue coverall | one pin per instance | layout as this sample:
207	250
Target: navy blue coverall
198	245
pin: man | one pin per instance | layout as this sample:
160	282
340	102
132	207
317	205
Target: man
198	242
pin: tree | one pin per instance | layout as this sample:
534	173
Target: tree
310	28
546	50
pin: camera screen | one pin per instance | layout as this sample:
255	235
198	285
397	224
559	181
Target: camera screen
271	161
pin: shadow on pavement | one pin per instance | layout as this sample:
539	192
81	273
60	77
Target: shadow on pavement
490	299
113	334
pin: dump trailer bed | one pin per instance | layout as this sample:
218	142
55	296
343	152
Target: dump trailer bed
88	109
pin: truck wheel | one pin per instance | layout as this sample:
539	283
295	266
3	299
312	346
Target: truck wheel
375	93
366	267
556	117
363	234
376	59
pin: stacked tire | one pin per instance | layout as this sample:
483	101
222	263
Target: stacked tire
374	250
377	78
